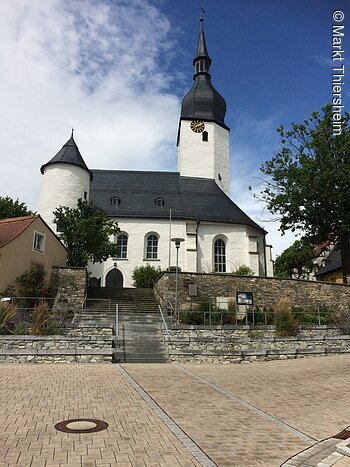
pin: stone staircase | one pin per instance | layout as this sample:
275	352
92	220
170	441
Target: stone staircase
140	338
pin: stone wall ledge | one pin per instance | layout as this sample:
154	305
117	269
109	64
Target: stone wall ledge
255	353
173	339
72	352
54	338
245	327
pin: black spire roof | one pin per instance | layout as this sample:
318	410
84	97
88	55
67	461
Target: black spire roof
203	102
69	154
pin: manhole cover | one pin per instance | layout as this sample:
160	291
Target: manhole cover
81	425
345	434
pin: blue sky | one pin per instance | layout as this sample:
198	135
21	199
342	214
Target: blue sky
116	71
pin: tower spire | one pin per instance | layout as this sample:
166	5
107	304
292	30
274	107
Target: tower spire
202	60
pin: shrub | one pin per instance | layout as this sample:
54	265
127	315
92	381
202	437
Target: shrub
8	314
285	322
145	276
311	316
32	282
243	270
191	317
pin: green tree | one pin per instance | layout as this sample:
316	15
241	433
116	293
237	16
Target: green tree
86	233
145	276
308	184
10	208
295	261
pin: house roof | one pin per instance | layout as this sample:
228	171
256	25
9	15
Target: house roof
135	194
332	263
11	228
68	154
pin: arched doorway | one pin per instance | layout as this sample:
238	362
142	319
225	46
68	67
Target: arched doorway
114	279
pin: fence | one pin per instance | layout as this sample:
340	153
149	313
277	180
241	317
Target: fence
209	314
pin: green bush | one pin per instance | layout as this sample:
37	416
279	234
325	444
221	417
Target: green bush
145	276
191	317
243	270
310	316
32	283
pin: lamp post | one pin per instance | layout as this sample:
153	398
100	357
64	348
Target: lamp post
177	242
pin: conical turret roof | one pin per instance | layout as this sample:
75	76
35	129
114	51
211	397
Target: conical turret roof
69	154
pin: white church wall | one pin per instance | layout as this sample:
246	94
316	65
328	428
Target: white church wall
237	246
62	185
137	231
205	159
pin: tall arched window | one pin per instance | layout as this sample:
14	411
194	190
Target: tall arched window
122	244
219	256
152	247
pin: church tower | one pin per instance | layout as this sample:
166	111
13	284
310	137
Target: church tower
66	178
203	137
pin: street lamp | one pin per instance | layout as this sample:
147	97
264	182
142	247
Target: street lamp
177	242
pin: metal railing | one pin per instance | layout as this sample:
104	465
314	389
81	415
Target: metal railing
214	315
164	323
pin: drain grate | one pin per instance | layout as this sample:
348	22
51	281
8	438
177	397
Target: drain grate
345	434
81	425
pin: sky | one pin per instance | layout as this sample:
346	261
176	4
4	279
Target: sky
116	72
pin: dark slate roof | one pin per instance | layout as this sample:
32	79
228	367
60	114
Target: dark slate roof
333	263
203	102
202	50
69	154
187	197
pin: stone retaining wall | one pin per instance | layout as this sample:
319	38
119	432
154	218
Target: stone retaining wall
267	290
55	349
224	346
70	283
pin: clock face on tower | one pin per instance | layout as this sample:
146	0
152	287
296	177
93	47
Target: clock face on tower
197	126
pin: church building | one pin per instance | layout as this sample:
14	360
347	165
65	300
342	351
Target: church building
192	204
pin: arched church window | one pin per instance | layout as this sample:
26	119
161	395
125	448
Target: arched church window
204	136
159	202
152	247
219	256
122	244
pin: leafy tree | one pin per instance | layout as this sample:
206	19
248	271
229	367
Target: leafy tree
86	232
10	208
295	261
309	181
145	276
243	270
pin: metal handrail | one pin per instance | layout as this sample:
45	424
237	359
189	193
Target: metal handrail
163	319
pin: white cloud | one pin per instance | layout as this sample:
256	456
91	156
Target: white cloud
89	65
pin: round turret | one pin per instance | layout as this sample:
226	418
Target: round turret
66	178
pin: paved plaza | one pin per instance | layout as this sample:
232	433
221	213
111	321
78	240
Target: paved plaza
259	414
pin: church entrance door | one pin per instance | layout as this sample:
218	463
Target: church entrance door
114	279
